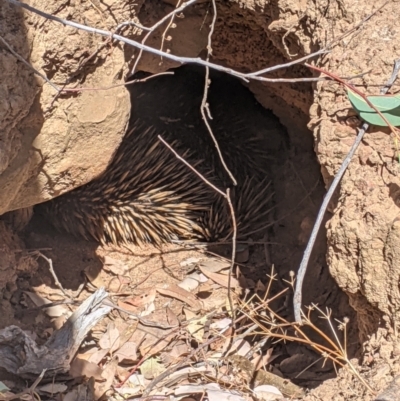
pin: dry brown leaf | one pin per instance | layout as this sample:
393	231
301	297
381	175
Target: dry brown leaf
115	266
173	291
260	360
142	300
215	265
97	356
53	388
189	261
128	307
151	368
192	281
172	319
179	349
127	353
80	367
220	279
127	333
53	311
108	374
155	339
93	275
114	285
110	339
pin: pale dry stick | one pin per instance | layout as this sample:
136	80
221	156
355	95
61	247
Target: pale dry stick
105	88
171	21
340	349
155	26
20	58
335	354
228	199
181	60
191	167
67	90
203	108
53	273
310	245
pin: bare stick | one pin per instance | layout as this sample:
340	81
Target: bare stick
155	26
307	253
228	199
191	167
181	60
20	58
204	105
53	273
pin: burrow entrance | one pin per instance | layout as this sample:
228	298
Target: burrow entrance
171	102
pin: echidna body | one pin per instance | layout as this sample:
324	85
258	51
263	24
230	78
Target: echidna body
147	195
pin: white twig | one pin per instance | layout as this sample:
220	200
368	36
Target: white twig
307	253
20	58
181	60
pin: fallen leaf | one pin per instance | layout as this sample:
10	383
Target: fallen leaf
127	353
173	291
267	392
142	300
53	311
192	281
189	261
115	266
137	384
151	368
82	392
260	287
215	265
195	326
221	324
108	374
220	279
155	340
110	339
128	307
53	388
97	356
81	367
179	349
93	275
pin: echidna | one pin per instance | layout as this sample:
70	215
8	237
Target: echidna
147	195
248	135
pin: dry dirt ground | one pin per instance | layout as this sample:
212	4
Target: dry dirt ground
51	144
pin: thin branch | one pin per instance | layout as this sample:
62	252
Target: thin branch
307	253
156	25
20	58
181	60
192	168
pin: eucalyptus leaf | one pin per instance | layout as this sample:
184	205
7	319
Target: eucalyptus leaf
388	105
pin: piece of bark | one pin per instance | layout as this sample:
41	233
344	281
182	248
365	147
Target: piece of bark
19	354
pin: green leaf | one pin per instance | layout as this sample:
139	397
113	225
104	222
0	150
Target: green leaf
388	105
3	388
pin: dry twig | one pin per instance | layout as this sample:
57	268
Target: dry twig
307	253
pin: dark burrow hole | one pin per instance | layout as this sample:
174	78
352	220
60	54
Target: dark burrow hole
171	103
